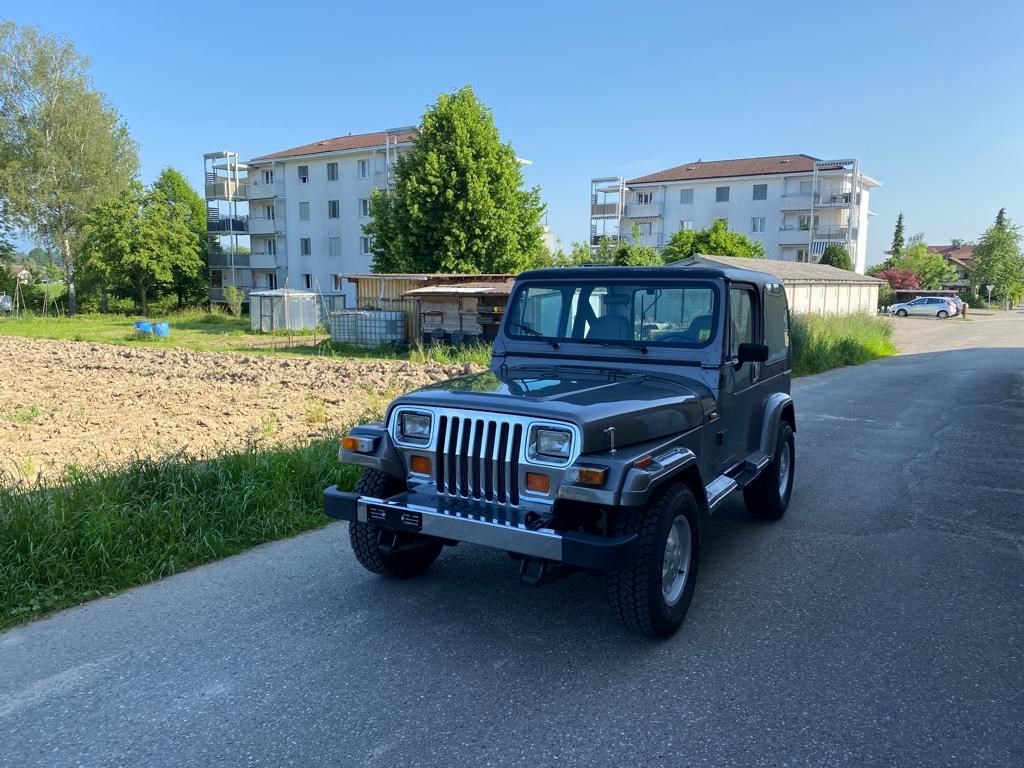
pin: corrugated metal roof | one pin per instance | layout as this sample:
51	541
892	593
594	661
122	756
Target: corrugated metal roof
482	288
428	276
786	271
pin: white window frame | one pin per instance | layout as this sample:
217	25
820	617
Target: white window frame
307	281
686	224
644	198
683	196
332	171
303	177
757	224
364	207
268	177
802	252
364	169
334	209
305	246
339	282
718	195
364	245
303	211
754	193
334	247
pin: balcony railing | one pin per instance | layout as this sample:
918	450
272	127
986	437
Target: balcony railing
604	210
833	197
228	224
596	239
263	225
794	234
263	190
222	259
831	232
643	210
795	202
268	259
226	189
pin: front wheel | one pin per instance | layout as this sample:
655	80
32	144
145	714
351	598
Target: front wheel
652	595
389	553
901	313
768	495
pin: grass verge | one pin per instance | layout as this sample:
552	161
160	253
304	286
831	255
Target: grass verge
833	341
95	532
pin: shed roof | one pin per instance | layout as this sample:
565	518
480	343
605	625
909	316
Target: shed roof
480	288
460	277
787	271
283	292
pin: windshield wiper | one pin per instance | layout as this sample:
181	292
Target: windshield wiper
627	344
534	332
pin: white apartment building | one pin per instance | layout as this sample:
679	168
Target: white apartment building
297	215
794	205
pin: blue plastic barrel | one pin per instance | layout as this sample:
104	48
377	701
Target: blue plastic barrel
162	329
143	327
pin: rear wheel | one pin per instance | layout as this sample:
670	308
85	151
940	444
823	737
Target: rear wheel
943	314
901	313
651	596
379	550
768	496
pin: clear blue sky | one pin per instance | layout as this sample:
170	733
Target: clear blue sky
928	95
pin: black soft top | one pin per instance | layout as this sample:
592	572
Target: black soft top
670	272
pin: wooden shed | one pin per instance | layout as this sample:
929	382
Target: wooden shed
464	311
388	292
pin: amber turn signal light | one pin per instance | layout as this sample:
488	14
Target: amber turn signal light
420	465
537	482
644	462
587	475
358	444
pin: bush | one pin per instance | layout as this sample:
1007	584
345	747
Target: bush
822	343
94	532
233	297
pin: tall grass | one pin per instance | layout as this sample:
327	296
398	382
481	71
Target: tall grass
822	343
94	532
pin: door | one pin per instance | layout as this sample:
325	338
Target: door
741	391
918	307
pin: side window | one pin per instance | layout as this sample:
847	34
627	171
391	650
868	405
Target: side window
741	319
776	322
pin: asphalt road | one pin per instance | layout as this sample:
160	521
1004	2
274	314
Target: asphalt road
881	623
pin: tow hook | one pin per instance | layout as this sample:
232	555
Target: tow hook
537	573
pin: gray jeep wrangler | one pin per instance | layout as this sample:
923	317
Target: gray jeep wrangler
622	406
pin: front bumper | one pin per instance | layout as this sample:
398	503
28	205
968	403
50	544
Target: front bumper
478	522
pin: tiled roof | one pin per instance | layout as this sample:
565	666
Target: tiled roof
339	144
714	169
786	271
962	254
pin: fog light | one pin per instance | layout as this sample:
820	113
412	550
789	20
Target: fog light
420	465
537	482
587	475
358	444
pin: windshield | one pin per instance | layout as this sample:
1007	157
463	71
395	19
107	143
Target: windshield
655	313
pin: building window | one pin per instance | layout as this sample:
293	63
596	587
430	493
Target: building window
271	280
757	224
686	196
305	246
303	211
364	207
804	222
332	171
334	246
338	282
721	194
364	169
686	223
805	187
303	174
645	227
333	209
271	247
801	255
307	281
760	191
364	246
644	198
268	177
268	212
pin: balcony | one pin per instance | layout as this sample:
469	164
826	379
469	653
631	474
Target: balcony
604	210
830	232
795	203
261	190
228	225
262	225
225	189
793	234
596	239
833	198
221	260
644	210
268	260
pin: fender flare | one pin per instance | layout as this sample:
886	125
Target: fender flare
385	458
777	407
639	484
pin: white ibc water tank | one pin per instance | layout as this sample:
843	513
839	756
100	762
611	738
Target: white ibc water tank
367	327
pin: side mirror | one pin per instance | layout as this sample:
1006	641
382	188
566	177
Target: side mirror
752	353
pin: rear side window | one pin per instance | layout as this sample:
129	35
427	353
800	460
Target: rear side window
776	322
741	317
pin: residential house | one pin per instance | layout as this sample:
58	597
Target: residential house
961	256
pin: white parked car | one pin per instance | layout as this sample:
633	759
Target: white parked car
928	306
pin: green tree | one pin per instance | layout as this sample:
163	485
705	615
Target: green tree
457	205
632	254
717	240
897	237
139	239
998	260
63	148
836	255
931	269
579	255
190	285
605	251
6	234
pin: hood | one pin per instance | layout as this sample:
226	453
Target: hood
640	406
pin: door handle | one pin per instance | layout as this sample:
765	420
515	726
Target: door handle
755	371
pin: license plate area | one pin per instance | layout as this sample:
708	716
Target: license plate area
394	517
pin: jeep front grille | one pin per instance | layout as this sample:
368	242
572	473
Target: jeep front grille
478	458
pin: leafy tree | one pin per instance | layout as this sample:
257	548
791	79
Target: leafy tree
579	255
6	233
998	260
897	237
899	278
140	238
632	254
605	251
63	148
457	205
836	255
190	285
931	269
717	240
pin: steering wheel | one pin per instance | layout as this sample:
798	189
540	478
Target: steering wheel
677	336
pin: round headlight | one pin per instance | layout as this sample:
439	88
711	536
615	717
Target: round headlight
415	426
555	443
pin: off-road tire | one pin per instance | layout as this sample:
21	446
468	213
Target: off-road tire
901	313
418	553
635	593
763	497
